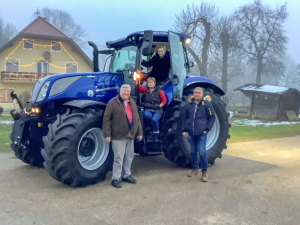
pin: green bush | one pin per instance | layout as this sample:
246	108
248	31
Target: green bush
1	110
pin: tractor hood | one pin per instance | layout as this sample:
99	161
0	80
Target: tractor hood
84	86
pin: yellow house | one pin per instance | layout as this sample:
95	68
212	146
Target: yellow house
38	50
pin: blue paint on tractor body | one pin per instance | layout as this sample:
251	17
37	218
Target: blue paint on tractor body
105	86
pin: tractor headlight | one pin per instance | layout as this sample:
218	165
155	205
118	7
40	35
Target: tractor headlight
43	91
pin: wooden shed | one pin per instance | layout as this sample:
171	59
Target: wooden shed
272	102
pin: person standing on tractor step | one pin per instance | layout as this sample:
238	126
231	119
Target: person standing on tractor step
197	119
160	63
121	124
155	99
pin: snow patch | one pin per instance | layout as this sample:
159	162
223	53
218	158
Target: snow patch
231	114
247	122
266	88
6	122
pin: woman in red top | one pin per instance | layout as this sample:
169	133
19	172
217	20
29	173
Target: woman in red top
155	99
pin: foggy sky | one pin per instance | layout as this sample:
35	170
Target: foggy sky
106	20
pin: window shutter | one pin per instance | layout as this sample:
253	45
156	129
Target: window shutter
39	67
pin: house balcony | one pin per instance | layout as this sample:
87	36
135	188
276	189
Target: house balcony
22	77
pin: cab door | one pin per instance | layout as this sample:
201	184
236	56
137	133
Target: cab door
178	70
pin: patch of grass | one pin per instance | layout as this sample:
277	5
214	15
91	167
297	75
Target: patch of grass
248	133
5	142
5	130
6	118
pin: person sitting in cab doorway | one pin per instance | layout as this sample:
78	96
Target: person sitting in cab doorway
161	65
198	118
155	99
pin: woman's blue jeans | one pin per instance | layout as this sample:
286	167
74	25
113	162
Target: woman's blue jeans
197	146
153	118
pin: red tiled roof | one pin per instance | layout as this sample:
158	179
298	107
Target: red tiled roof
41	26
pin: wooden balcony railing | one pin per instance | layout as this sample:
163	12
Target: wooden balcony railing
21	77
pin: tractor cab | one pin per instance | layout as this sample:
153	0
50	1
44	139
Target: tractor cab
128	53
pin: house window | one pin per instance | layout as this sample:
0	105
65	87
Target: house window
28	44
42	67
5	95
55	46
12	65
71	67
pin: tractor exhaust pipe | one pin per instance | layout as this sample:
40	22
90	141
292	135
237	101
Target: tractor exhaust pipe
95	56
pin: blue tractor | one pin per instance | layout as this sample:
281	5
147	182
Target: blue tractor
63	129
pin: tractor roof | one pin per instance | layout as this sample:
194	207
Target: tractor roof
158	36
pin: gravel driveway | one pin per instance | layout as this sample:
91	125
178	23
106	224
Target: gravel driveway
254	183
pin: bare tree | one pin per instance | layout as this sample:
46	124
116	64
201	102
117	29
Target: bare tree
291	74
274	69
7	31
297	79
235	69
261	33
224	41
63	21
196	21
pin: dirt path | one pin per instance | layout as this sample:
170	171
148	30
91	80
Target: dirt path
254	183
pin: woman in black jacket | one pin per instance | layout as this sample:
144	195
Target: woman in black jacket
160	63
197	120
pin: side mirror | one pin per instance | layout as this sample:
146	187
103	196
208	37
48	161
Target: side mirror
147	43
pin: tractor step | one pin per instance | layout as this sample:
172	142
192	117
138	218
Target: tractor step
150	138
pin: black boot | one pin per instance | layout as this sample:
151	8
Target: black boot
116	183
129	179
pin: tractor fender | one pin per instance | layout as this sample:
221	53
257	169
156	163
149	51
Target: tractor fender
203	82
84	103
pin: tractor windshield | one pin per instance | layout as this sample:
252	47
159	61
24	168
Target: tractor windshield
124	59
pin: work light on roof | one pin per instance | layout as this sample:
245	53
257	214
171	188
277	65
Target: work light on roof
188	41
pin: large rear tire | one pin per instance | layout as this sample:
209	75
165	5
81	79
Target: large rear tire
76	152
176	147
29	151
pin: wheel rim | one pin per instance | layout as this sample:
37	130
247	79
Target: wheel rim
92	149
213	134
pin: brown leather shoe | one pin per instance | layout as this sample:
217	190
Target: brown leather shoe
193	173
204	176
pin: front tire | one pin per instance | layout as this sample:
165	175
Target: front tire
76	152
176	147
